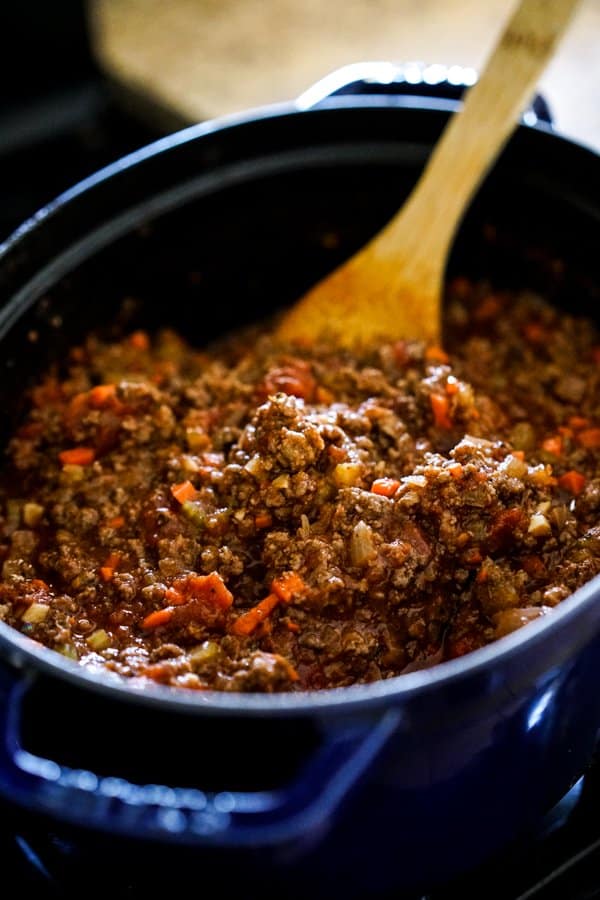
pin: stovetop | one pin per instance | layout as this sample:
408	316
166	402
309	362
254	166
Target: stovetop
48	141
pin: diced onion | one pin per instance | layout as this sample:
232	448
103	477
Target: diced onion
362	547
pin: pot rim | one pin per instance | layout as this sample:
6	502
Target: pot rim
21	651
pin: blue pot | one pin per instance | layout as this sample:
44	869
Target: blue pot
399	784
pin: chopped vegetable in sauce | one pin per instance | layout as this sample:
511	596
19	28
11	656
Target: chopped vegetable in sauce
257	518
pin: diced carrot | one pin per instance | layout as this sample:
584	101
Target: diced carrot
290	670
101	395
248	621
107	573
400	352
489	308
158	618
336	454
482	576
175	597
589	438
472	557
573	482
287	585
324	395
385	487
577	422
38	584
139	340
263	520
116	522
553	445
293	377
112	560
456	471
534	566
77	405
77	456
519	454
565	431
436	354
292	626
201	587
535	332
451	386
440	406
183	491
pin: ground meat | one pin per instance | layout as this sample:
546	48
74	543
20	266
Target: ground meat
256	518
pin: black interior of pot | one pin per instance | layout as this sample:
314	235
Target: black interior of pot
234	256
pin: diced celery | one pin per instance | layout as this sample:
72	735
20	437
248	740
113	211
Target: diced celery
98	640
194	512
35	613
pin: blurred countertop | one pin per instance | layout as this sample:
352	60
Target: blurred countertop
190	60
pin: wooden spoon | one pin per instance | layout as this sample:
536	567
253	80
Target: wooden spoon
392	288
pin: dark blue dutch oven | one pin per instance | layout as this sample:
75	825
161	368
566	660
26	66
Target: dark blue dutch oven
397	785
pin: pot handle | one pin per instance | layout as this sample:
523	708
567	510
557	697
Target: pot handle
405	80
299	812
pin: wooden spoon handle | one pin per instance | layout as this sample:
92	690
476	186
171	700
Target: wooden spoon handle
473	138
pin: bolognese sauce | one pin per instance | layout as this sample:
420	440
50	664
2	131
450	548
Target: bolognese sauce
255	517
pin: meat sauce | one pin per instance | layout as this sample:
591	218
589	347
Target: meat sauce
254	518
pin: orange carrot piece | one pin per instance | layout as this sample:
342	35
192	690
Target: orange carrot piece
324	395
456	471
472	557
573	482
106	573
101	395
248	621
553	445
292	626
336	454
139	340
534	566
519	454
565	431
385	487
183	491
77	456
440	407
113	560
200	587
287	585
535	332
577	422
451	386
158	618
116	522
263	520
489	308
436	354
290	670
589	438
